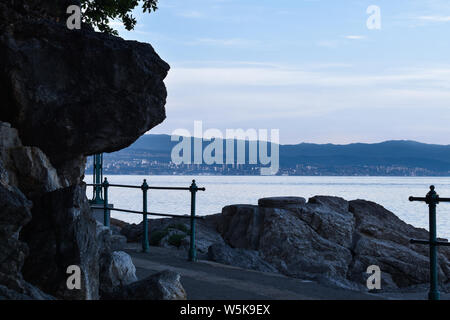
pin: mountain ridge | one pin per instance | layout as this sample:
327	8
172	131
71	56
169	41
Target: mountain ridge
391	157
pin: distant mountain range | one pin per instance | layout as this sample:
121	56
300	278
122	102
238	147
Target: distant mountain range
151	154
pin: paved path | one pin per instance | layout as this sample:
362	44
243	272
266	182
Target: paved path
205	280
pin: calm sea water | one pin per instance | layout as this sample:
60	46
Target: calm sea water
391	192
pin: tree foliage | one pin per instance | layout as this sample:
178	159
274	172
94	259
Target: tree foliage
100	12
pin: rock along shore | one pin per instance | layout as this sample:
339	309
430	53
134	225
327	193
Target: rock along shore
325	239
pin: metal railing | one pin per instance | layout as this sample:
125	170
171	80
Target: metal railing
193	189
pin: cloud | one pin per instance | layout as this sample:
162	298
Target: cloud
435	18
263	96
267	76
354	37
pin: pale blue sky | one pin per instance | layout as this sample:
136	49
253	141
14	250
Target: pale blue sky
310	68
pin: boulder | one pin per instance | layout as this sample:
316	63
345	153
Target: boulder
164	285
330	240
241	226
330	218
383	240
75	93
117	272
27	168
296	249
246	259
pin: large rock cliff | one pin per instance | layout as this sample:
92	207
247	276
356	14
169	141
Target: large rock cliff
65	94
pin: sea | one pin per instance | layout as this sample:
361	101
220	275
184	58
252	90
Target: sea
390	192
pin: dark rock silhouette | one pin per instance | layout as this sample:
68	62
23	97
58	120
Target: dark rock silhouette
65	94
62	233
75	93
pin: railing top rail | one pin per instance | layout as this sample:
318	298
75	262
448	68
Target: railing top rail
140	187
424	199
156	214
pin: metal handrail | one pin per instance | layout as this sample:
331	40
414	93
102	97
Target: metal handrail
139	187
193	189
156	214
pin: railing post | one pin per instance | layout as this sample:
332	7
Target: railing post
432	201
97	179
192	251
145	244
105	203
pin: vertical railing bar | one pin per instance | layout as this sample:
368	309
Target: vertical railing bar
434	285
105	203
192	249
145	244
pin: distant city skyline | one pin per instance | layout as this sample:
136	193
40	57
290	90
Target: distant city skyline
310	68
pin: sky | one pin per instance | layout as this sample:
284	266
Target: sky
310	68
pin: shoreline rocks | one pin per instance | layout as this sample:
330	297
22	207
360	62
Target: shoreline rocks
325	239
163	285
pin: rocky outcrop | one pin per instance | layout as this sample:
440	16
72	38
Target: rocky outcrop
65	94
62	233
383	239
325	239
74	93
15	212
117	271
330	240
164	285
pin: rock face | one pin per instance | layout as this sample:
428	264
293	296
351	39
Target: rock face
246	259
330	240
164	285
65	95
383	239
74	93
70	241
